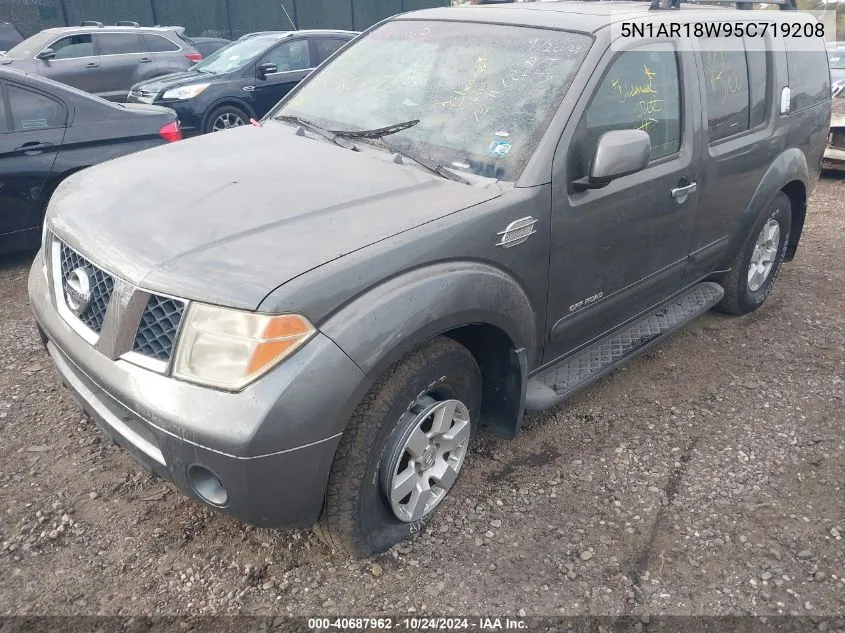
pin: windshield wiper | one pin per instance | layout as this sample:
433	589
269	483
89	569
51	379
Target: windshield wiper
308	125
432	166
379	131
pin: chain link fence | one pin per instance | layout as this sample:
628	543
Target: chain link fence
209	18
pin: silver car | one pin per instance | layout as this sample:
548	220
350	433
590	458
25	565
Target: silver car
104	60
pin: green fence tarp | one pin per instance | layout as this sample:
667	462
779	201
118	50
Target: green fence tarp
223	18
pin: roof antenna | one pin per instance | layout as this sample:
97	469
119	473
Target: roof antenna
288	16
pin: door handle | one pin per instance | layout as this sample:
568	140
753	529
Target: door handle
145	60
92	65
683	192
33	148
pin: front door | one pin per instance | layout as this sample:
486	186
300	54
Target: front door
31	134
75	64
618	250
292	60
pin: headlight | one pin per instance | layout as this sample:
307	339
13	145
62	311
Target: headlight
185	92
228	349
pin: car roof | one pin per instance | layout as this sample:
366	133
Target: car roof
65	30
584	16
299	32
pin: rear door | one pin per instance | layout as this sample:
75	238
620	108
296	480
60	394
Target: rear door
75	64
125	61
32	128
292	59
169	56
743	137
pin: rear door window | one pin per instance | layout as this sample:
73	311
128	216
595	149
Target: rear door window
159	44
120	43
735	85
33	110
728	100
74	46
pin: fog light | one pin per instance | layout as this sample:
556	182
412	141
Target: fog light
206	485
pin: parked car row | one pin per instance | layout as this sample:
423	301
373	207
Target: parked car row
240	81
102	60
48	131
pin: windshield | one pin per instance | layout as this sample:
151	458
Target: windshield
236	55
837	60
483	93
29	47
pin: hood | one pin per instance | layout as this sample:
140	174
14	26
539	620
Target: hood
174	80
226	218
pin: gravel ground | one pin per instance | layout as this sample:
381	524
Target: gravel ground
705	478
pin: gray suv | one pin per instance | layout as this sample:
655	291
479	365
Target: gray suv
104	60
466	213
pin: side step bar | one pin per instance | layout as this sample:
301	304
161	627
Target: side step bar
556	383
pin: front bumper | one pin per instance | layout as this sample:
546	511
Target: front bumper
833	158
270	446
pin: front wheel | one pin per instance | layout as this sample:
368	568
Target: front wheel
756	267
225	118
403	449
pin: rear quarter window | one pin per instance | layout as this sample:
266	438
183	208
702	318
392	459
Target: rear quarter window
809	73
159	44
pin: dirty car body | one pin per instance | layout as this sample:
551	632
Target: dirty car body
456	184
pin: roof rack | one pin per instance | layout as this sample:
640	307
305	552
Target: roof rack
783	5
99	25
127	23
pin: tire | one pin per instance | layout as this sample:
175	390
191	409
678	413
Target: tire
358	518
227	112
742	293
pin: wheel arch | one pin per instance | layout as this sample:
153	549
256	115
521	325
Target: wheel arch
796	191
226	101
788	173
475	304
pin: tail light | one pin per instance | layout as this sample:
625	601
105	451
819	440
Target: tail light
194	57
171	132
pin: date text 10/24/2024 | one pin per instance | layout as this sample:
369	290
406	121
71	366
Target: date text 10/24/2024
420	623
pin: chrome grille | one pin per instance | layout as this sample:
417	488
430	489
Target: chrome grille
102	285
158	327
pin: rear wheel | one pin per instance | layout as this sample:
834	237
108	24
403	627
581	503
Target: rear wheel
225	118
403	449
756	267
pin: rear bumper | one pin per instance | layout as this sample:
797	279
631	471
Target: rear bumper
269	448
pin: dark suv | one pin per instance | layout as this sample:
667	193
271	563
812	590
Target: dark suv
466	214
104	60
241	81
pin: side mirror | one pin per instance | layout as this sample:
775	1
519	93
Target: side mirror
266	69
618	153
47	53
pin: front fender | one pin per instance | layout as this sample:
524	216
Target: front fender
380	326
790	166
